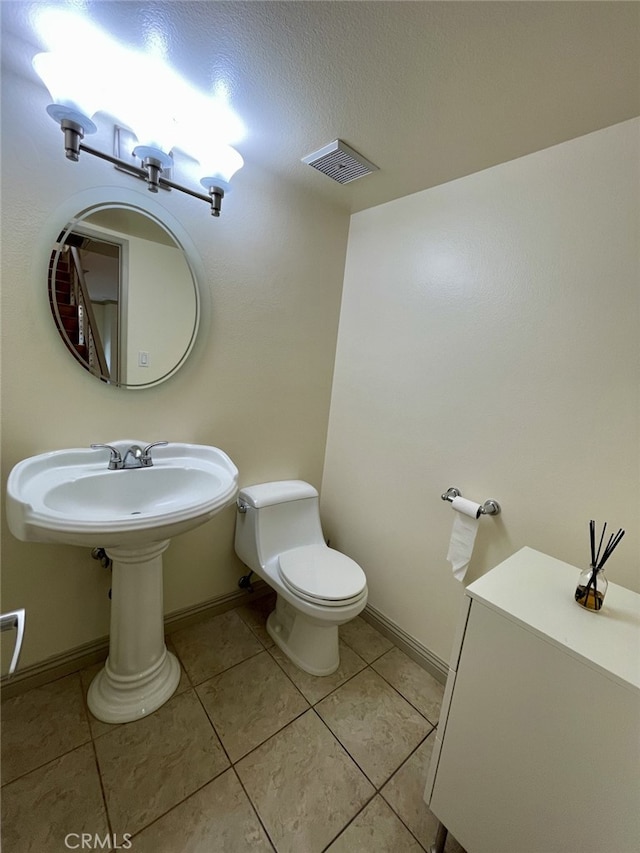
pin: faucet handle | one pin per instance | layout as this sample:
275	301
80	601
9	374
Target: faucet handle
147	461
115	460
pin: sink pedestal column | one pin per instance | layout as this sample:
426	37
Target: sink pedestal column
140	674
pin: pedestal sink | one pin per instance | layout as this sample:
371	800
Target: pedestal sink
71	496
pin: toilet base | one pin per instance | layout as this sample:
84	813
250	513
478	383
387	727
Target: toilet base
308	643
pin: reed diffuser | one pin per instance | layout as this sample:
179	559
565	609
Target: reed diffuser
592	584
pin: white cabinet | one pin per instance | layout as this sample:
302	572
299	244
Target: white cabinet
538	746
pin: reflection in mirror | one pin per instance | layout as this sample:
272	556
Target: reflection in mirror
123	296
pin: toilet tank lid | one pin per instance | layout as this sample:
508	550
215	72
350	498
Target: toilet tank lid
267	494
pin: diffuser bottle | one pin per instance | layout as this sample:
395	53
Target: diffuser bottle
591	588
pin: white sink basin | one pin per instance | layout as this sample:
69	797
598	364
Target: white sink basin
70	496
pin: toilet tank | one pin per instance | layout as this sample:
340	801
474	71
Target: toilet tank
279	516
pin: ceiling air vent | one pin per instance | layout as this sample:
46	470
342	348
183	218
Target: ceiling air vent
340	162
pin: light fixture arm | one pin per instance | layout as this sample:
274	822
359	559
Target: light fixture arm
150	171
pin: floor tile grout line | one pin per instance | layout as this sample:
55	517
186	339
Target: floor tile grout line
199	788
199	624
367	665
227	669
85	702
348	824
211	723
66	751
215	776
255	809
48	683
366	805
346	749
337	739
312	704
391	806
360	655
102	789
377	789
231	762
245	624
355	761
309	708
183	671
397	690
45	764
401	819
267	739
401	697
180	802
87	713
406	698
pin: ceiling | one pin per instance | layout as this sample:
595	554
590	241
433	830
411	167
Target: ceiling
428	91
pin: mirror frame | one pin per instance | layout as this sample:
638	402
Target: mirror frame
74	211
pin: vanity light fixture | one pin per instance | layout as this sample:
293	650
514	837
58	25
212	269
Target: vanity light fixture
74	115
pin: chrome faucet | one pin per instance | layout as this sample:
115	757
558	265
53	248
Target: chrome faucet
135	457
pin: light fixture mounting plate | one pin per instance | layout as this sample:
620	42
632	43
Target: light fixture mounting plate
124	141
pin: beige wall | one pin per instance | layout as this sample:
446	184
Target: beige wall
489	340
257	385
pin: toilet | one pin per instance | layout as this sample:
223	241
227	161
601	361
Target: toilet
279	537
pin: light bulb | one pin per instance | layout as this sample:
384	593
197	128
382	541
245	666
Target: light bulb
220	165
73	96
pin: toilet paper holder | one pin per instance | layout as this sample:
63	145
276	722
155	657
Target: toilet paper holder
489	507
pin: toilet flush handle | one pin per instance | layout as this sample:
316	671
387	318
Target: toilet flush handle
242	506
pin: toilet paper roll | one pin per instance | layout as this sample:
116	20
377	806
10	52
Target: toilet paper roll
463	535
467	507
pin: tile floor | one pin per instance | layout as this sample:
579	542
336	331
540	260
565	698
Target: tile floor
249	754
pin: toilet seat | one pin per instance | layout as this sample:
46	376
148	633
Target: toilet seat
321	575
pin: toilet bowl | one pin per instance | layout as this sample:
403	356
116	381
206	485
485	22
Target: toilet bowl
279	537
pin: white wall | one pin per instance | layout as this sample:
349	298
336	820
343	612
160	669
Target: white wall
160	288
489	340
257	384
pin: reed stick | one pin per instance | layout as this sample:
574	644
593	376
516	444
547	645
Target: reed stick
597	561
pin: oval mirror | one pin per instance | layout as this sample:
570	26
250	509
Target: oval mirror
123	295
